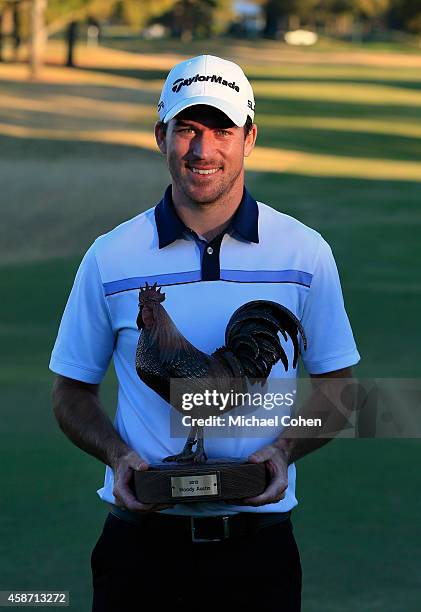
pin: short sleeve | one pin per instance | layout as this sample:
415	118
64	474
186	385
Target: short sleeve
330	341
85	340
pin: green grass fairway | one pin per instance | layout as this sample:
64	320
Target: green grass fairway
339	148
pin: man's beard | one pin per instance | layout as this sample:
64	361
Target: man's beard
220	187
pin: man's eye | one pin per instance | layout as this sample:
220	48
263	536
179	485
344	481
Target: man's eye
223	132
186	130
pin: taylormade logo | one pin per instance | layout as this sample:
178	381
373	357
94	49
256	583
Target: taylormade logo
179	83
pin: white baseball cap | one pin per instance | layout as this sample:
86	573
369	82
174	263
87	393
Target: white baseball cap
209	80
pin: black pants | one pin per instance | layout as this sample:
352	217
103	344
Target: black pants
138	568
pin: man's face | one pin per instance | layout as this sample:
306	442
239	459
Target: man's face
205	153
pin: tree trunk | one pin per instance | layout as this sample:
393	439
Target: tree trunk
71	40
16	31
271	17
38	37
1	36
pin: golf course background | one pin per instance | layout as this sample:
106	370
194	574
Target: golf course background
339	148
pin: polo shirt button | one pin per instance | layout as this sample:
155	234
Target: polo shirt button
209	250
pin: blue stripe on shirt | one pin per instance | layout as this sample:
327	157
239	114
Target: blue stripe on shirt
239	276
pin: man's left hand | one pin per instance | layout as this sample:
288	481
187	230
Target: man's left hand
277	466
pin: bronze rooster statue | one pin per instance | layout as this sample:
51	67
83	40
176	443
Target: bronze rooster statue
252	347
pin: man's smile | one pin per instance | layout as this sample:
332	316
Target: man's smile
204	171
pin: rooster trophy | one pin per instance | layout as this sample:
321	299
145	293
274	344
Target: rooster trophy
252	347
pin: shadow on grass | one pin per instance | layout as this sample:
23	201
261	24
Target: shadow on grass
296	107
26	149
146	74
133	73
117	93
318	80
341	143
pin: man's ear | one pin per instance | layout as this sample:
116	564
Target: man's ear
250	140
160	137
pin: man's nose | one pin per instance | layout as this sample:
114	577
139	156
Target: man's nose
202	146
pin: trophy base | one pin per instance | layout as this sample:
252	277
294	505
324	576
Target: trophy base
217	479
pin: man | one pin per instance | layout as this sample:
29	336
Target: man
213	248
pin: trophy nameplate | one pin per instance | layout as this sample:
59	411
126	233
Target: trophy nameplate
198	485
215	480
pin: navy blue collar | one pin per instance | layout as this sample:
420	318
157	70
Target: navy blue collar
170	226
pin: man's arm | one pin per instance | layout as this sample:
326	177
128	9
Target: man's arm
79	412
296	442
327	398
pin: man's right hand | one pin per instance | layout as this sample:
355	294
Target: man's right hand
78	410
123	469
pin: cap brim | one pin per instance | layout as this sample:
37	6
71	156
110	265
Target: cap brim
237	116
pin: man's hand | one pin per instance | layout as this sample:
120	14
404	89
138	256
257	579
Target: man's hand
276	463
80	415
123	469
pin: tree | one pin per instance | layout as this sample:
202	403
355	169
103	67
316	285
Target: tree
71	36
1	34
187	19
62	12
69	13
276	13
138	13
16	27
372	8
38	36
406	15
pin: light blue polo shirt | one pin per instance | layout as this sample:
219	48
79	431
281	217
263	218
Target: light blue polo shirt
264	255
